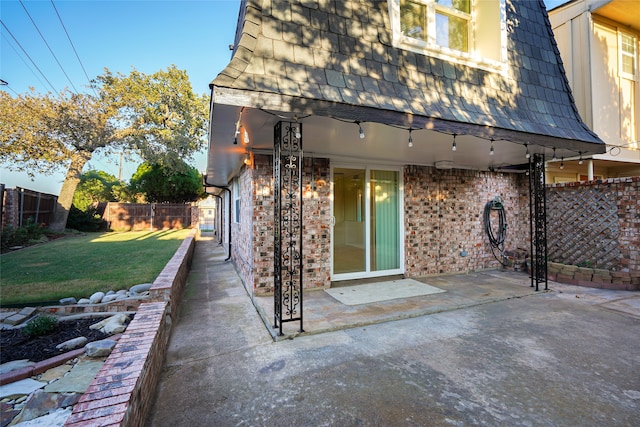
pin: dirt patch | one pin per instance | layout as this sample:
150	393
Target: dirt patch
16	345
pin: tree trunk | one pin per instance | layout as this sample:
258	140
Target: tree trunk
65	199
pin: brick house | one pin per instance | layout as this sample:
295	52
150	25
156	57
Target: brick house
413	114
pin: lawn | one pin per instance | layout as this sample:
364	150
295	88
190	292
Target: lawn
78	266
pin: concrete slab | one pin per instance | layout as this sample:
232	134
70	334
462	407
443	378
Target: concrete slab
489	351
381	291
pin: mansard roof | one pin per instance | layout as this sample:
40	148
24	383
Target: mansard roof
336	58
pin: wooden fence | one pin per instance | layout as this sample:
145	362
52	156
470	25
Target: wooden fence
20	205
153	216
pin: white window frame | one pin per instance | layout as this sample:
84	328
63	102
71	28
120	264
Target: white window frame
430	48
621	54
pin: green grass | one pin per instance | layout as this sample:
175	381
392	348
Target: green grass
79	266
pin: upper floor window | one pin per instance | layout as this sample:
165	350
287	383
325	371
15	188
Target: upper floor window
471	32
628	56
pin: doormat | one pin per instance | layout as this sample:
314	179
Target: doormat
381	291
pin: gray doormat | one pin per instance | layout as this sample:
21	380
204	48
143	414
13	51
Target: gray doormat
381	291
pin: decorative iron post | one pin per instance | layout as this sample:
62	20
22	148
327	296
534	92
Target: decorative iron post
287	239
538	221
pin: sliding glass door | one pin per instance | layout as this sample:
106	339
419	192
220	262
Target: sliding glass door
366	222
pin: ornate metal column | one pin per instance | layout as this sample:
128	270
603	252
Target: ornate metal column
538	221
287	239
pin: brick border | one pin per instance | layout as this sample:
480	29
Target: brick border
119	394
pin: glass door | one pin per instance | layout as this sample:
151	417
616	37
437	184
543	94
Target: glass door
367	237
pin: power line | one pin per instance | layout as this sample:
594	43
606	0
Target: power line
30	59
22	59
49	47
74	48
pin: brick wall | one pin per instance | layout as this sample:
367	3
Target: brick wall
444	217
595	223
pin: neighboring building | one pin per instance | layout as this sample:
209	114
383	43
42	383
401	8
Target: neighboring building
598	42
413	115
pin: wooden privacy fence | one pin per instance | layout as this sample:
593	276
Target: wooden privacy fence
19	205
147	216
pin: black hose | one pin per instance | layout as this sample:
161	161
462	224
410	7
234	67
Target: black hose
496	240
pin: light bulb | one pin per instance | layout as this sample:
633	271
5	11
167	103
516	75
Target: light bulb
527	154
580	161
360	131
454	147
491	149
410	139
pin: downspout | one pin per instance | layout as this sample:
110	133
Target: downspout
205	184
219	217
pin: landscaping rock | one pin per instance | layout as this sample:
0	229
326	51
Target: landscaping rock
96	298
72	344
139	289
68	301
112	325
84	301
99	348
15	364
41	403
109	298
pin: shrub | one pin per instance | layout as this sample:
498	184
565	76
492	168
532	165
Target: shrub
88	220
21	236
41	325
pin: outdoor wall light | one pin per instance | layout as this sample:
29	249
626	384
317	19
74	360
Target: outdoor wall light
410	138
491	150
454	147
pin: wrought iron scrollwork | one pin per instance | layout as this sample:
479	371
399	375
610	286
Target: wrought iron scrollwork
287	174
538	221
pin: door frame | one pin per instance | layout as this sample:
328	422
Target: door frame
367	168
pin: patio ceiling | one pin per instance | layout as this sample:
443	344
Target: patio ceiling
385	141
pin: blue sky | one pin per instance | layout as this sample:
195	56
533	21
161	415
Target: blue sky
118	35
146	34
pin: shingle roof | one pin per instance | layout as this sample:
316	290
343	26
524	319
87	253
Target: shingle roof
341	52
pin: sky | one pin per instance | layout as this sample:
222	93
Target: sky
148	35
118	35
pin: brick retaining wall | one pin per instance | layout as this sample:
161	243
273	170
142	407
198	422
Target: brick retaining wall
120	394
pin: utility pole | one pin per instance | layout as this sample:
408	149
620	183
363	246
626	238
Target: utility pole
120	168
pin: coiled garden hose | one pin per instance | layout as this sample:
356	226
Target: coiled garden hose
496	240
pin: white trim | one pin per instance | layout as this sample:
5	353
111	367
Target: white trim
431	48
634	56
401	222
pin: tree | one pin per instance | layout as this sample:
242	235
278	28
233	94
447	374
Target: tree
96	187
161	184
155	116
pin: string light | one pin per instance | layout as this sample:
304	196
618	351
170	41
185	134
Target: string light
297	131
580	161
491	149
562	163
360	131
527	154
554	154
453	146
410	139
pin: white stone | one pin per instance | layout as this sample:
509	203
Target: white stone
68	301
96	298
139	289
112	325
73	343
84	301
109	298
110	293
99	348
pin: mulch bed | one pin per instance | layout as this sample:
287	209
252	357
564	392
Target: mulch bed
15	345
